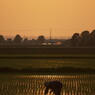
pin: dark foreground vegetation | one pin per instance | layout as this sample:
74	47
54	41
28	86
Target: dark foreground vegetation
46	51
47	70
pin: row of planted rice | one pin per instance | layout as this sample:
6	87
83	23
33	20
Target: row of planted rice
34	84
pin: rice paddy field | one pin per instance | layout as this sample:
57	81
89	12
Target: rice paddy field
33	84
11	84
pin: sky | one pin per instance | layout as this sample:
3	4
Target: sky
36	17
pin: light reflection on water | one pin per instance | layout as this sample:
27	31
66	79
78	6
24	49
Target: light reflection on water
34	84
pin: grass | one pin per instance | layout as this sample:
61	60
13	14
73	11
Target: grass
47	62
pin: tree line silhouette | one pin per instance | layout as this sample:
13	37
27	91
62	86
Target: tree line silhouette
19	40
84	39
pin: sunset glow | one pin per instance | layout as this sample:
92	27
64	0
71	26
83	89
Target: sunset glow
36	17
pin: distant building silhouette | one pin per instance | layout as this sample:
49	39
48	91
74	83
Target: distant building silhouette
9	41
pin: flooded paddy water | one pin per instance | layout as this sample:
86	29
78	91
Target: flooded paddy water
73	84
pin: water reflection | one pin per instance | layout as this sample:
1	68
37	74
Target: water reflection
34	84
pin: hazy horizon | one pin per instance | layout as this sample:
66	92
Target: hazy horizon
35	37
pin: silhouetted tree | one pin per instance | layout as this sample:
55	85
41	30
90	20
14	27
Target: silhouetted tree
92	38
41	39
25	41
17	39
84	38
75	39
2	40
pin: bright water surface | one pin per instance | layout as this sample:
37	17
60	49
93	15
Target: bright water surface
34	84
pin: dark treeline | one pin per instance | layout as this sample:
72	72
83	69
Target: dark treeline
17	40
62	70
84	39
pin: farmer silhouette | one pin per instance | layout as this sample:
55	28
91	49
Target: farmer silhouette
54	86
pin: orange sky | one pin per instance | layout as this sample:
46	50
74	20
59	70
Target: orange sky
36	17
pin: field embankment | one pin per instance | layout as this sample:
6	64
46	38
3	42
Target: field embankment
53	71
46	51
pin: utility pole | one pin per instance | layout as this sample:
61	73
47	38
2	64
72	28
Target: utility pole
50	35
